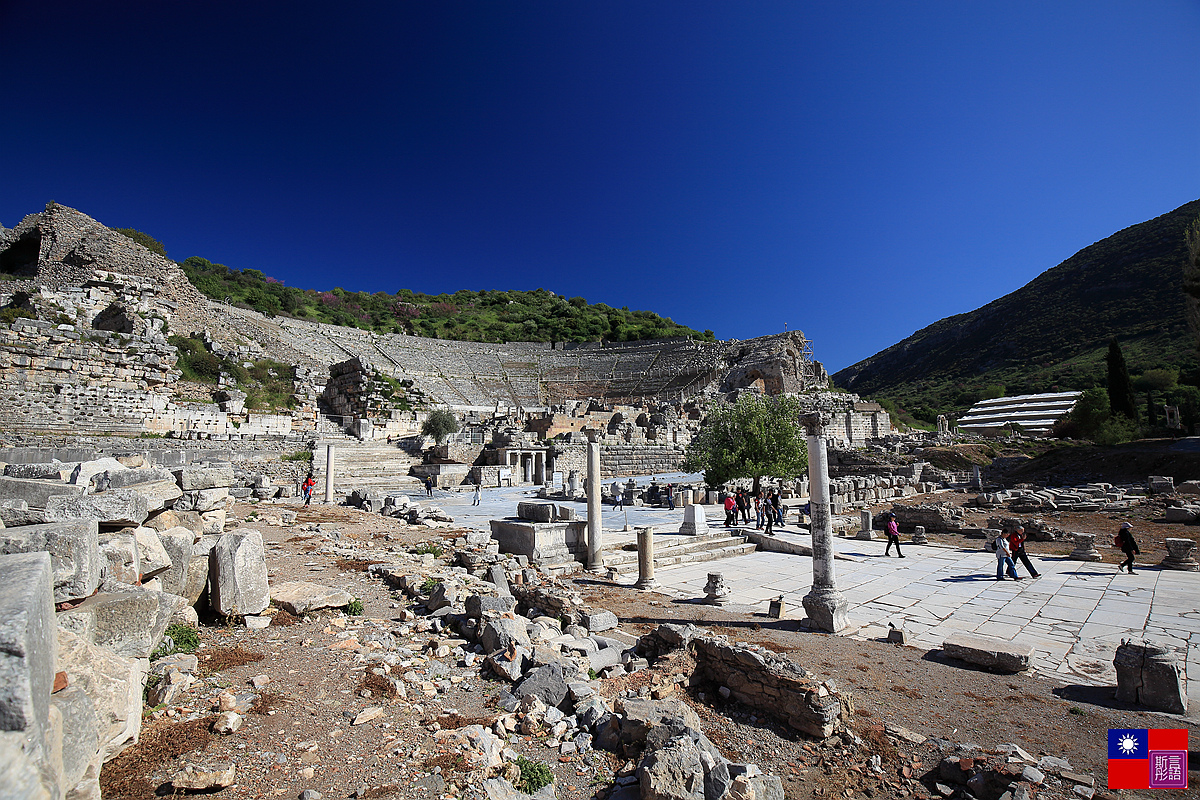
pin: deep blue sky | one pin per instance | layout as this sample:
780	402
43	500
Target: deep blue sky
853	170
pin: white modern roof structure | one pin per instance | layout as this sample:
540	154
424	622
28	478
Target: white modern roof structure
1035	413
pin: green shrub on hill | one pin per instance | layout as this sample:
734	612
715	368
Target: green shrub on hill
485	316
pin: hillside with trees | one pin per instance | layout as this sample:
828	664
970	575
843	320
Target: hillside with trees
1054	333
484	316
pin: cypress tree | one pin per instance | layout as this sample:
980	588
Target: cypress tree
1120	389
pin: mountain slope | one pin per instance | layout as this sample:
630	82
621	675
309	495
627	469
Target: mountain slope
1051	333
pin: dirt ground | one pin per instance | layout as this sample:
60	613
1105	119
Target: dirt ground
302	720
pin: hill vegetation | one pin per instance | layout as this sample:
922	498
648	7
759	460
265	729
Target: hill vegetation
1053	334
486	316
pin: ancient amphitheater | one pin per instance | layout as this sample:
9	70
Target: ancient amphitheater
96	358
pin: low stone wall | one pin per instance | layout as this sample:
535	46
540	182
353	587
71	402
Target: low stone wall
755	677
623	460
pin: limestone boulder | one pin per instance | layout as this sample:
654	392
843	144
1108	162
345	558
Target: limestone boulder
1151	675
115	507
174	518
81	744
673	772
177	544
27	648
300	597
988	652
197	581
19	773
125	478
478	605
74	550
640	716
53	470
499	634
213	521
83	474
443	595
546	683
237	577
209	476
119	551
159	494
152	555
202	499
35	493
15	513
130	624
114	685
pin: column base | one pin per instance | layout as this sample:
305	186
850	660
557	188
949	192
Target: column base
827	610
648	583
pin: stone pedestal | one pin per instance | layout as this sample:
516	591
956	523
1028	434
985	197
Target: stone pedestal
573	482
919	536
1085	548
1179	555
776	609
595	561
694	521
1150	675
715	591
824	604
866	533
645	540
976	478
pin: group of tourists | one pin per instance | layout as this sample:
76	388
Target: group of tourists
767	505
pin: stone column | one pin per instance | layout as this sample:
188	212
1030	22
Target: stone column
824	604
645	539
329	473
594	562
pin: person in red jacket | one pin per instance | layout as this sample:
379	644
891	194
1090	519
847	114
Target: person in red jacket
1016	545
730	511
306	489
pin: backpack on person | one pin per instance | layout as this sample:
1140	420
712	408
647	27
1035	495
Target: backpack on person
1119	540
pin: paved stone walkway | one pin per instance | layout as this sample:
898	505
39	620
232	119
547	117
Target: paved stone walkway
1075	615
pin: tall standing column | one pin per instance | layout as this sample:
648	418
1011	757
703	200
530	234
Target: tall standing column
824	604
645	539
594	561
329	473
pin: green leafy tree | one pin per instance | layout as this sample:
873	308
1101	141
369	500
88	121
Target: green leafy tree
753	437
440	424
1120	389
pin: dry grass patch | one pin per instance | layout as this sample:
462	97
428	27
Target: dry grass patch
219	659
127	775
268	701
378	686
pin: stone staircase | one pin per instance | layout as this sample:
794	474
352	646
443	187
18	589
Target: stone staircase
672	550
368	465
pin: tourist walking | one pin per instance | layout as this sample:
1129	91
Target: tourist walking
1128	546
670	498
743	506
1004	562
758	511
768	516
892	529
777	507
306	489
478	496
1016	544
429	486
730	511
618	497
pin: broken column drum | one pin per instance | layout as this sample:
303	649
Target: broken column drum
645	540
1085	548
824	604
715	591
1179	555
594	560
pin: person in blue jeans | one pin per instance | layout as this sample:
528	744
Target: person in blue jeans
1004	562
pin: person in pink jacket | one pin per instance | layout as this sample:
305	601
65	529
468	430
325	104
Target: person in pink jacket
892	529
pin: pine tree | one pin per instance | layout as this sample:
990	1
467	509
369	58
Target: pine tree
1120	389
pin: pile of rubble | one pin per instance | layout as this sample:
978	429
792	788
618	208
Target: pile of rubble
401	507
1093	497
